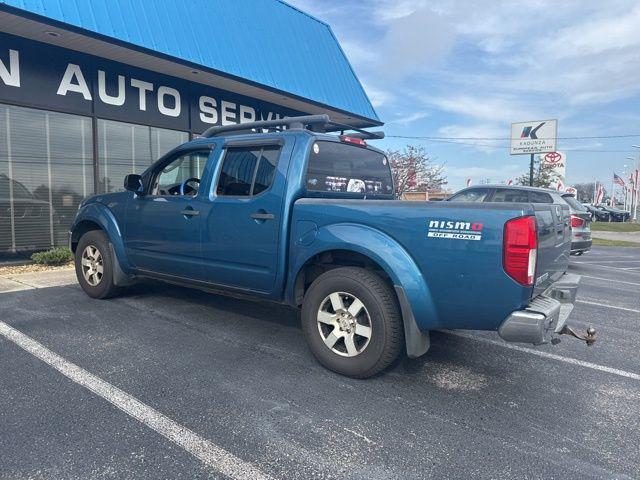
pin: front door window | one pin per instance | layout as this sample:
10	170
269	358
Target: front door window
181	176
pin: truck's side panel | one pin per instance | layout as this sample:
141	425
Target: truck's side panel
465	278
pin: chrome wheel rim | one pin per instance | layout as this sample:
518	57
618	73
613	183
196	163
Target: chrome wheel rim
92	265
344	324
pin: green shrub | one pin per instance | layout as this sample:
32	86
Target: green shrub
55	256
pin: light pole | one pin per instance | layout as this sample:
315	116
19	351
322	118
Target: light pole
636	192
627	202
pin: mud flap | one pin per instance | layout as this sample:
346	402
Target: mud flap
417	341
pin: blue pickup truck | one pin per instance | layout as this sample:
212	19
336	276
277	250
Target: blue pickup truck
284	211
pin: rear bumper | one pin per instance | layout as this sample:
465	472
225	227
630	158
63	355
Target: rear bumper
580	246
545	315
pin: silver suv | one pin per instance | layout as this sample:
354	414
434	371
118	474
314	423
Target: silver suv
580	229
580	216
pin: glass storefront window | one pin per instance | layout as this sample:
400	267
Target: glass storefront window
125	148
45	171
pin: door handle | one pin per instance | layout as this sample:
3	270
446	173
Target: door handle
190	212
262	216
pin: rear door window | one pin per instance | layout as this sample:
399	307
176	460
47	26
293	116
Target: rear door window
475	195
348	169
247	171
540	197
508	195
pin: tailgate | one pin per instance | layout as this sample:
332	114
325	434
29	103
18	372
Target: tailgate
554	244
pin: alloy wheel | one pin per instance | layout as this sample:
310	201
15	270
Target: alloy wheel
344	324
92	265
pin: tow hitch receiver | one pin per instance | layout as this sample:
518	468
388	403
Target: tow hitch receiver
589	336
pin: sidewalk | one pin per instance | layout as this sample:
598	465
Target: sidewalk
31	280
623	236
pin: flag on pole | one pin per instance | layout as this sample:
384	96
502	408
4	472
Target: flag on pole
468	182
599	195
618	180
560	186
509	182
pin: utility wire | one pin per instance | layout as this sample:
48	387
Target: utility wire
592	137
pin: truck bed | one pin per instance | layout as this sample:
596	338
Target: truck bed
457	248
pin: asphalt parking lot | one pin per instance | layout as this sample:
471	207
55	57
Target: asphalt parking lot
166	382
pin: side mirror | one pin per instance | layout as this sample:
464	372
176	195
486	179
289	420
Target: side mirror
133	183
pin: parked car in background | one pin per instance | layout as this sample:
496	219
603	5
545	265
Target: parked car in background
31	220
580	229
580	217
597	214
616	215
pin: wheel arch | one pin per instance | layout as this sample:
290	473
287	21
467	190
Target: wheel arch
79	229
357	245
96	216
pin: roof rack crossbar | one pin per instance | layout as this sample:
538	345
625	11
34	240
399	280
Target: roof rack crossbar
363	134
293	123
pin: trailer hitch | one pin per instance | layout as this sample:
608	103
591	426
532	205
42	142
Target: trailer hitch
589	337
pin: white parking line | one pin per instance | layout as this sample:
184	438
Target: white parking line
607	261
552	356
603	266
610	280
204	450
608	306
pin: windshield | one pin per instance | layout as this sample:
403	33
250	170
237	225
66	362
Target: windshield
340	168
573	203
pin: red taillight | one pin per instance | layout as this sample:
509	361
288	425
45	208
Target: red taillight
520	249
353	140
577	222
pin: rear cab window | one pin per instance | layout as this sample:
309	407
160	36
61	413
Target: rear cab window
348	170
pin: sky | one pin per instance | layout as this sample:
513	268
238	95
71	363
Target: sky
463	71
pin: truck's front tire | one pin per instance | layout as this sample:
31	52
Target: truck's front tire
352	323
94	265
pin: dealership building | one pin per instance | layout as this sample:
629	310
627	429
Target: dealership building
93	90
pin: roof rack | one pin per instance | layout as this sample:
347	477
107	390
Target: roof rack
317	123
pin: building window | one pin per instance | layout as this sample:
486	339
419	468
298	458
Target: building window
125	148
45	171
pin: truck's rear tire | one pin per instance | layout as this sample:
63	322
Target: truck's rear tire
352	323
94	265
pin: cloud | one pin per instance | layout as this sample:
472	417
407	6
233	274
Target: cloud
593	37
415	43
488	109
488	132
408	119
378	96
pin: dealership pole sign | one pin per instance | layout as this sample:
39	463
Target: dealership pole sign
556	162
538	136
531	138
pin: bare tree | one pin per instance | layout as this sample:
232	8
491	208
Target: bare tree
414	171
585	191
